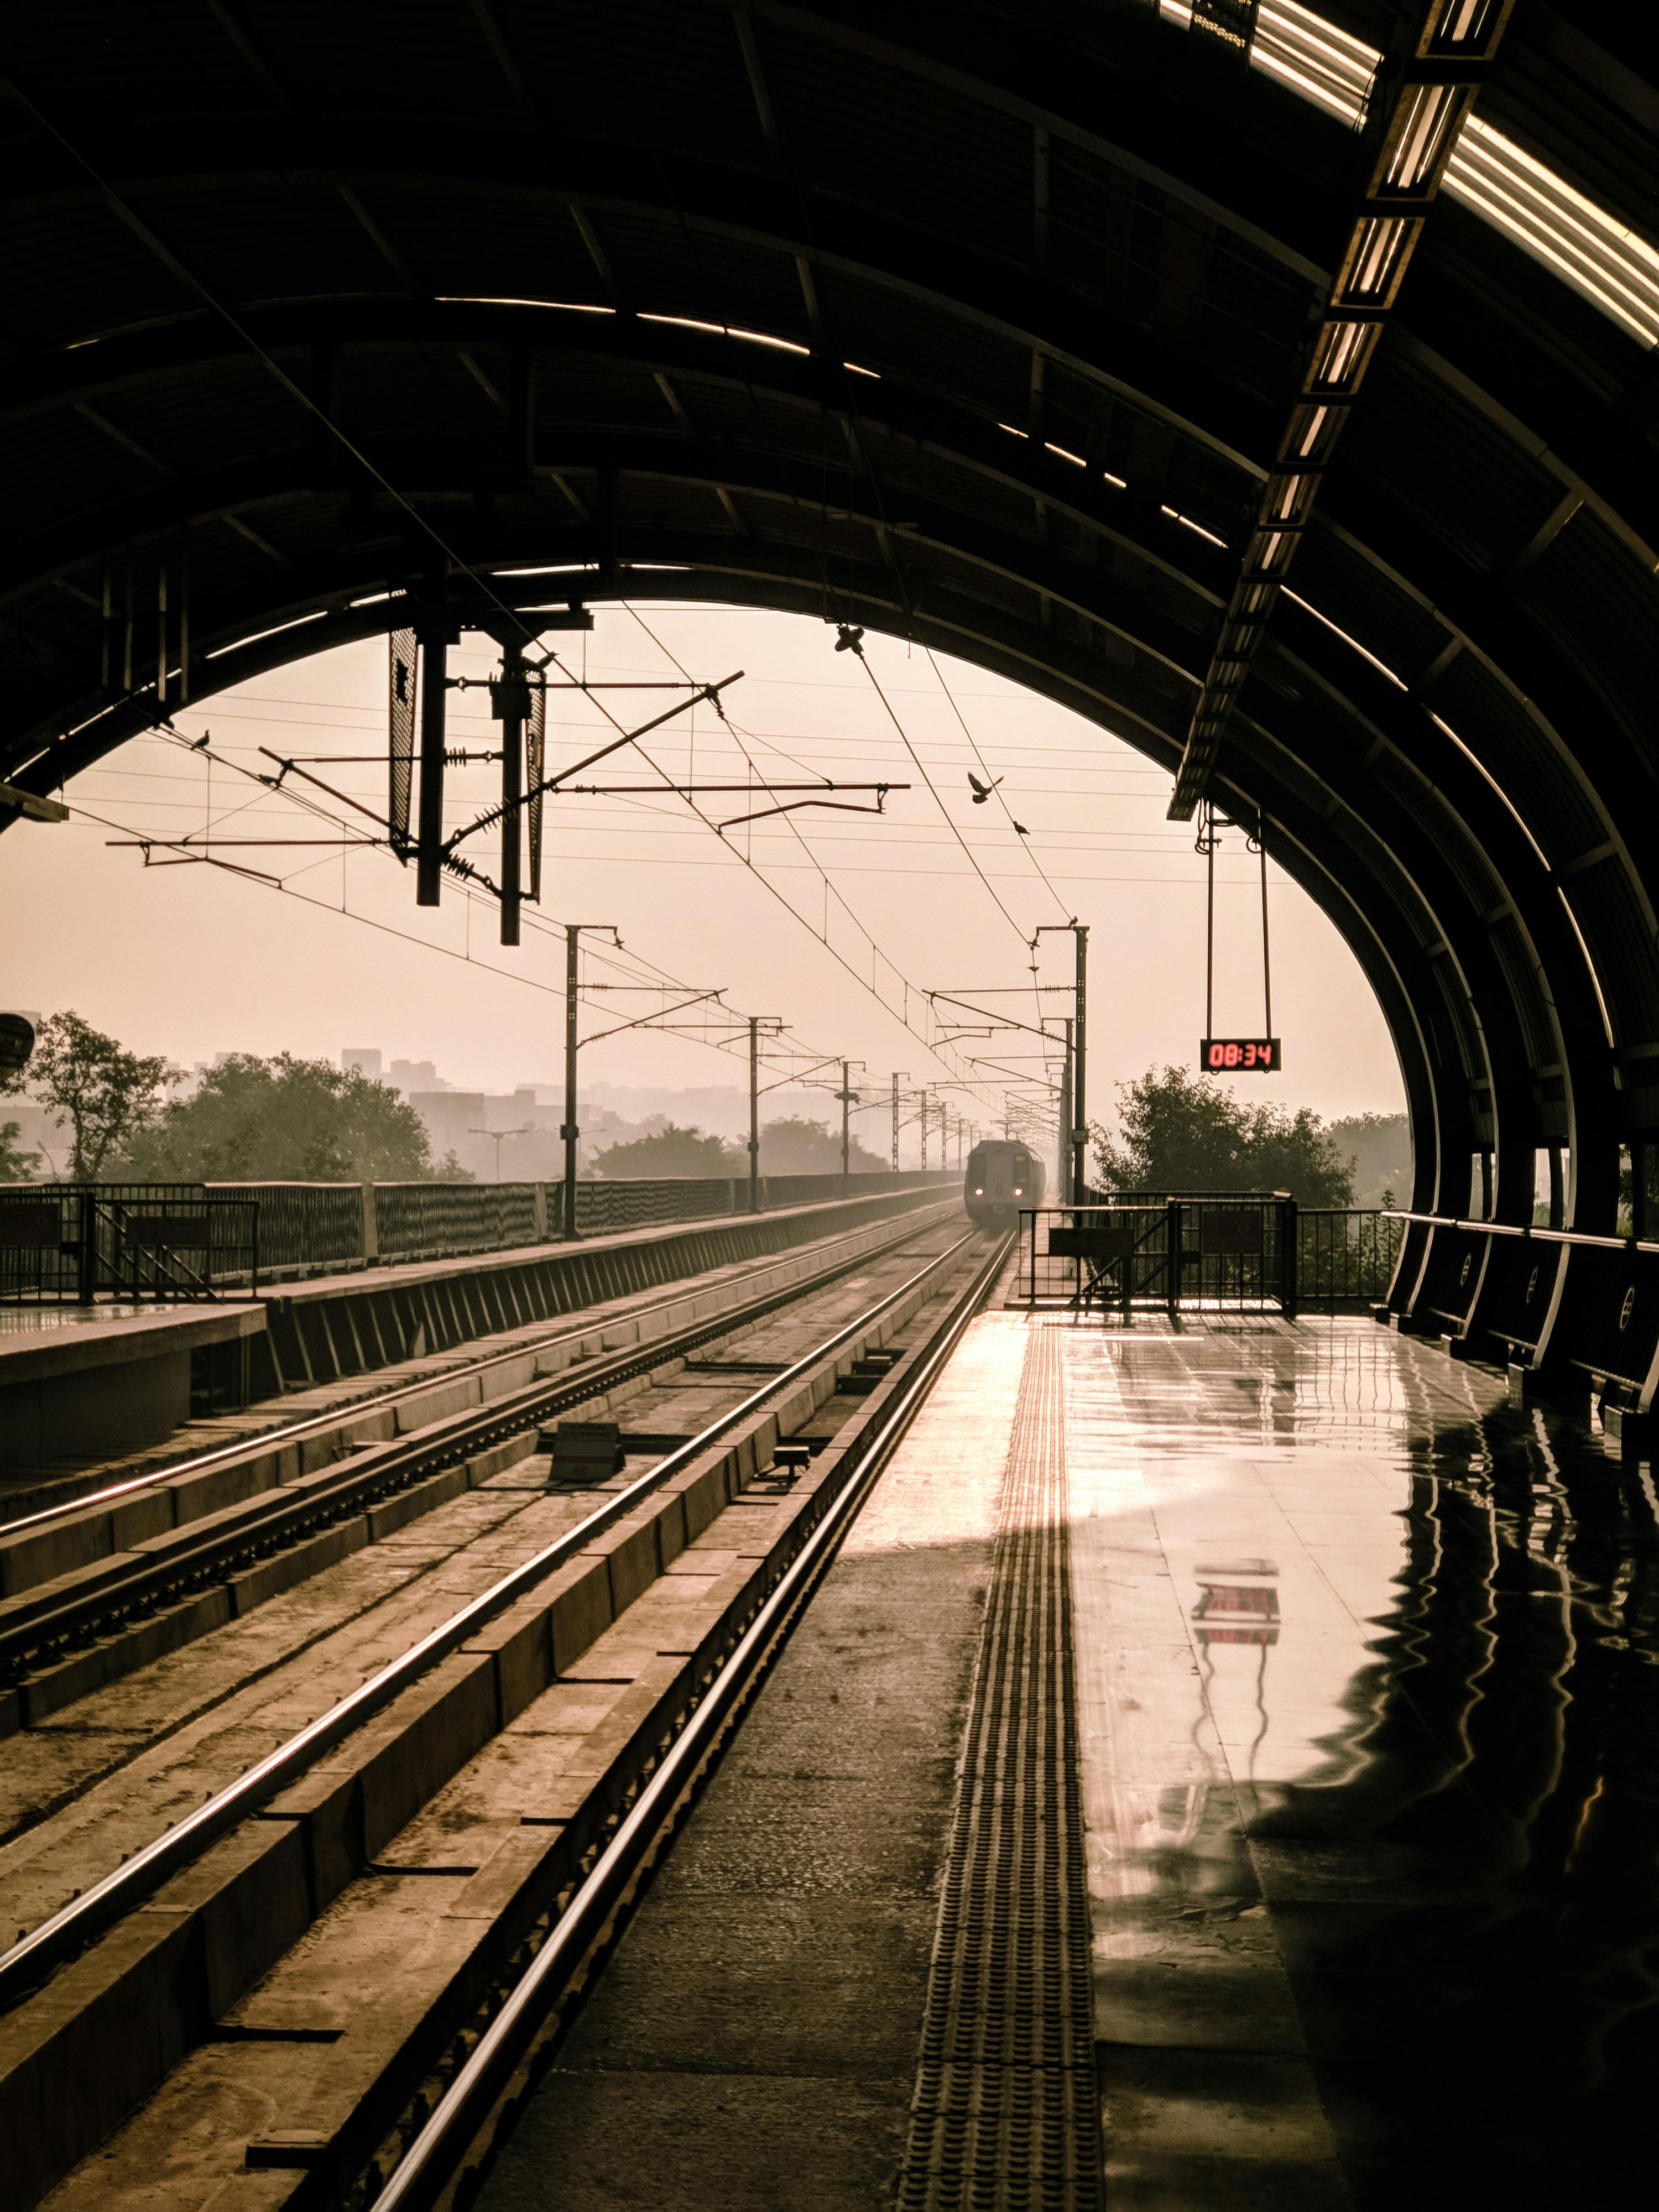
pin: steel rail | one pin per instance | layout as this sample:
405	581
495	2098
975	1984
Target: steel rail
436	2151
374	1401
51	1618
66	1933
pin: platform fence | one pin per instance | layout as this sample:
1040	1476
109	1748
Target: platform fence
1310	1259
1176	1250
138	1243
1346	1257
306	1229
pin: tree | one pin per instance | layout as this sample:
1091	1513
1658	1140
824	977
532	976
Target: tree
670	1151
1184	1131
795	1146
284	1120
1380	1150
16	1166
105	1093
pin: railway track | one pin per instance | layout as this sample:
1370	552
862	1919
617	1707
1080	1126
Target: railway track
254	1873
66	1635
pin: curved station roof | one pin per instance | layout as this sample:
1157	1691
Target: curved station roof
1027	331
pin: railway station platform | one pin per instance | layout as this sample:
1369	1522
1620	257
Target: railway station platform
1217	1771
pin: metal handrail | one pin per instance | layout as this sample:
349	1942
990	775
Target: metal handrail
1525	1230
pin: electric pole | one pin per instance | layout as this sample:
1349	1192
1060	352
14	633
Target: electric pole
1063	1162
754	1021
897	1072
1080	1105
848	1098
753	1113
568	1128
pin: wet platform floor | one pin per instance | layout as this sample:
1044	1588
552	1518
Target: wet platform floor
1368	1704
1365	1707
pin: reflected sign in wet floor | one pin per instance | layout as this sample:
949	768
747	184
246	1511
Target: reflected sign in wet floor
1369	1670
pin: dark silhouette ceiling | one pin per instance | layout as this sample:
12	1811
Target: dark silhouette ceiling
979	325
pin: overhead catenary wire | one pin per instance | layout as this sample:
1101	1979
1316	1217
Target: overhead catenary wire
823	937
661	980
196	285
625	963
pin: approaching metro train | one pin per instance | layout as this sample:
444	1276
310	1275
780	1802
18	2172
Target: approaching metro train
1002	1177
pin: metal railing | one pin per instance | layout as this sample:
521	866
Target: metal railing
1565	1298
318	1228
1187	1250
1346	1257
146	1244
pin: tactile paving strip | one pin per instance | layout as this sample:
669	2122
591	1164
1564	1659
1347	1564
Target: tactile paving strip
1006	2113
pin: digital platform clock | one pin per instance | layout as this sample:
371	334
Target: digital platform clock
1239	1056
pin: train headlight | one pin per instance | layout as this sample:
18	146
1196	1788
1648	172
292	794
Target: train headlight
1018	1191
979	1190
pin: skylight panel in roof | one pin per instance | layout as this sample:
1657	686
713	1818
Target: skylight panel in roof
1545	217
1614	268
1313	58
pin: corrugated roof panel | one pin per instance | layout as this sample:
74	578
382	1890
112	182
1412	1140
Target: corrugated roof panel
1621	945
661	75
1592	594
1446	464
467	239
58	465
1338	582
900	335
1506	737
669	268
935	156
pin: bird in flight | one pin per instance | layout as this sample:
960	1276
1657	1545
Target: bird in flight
981	791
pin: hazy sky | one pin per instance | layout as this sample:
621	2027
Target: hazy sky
190	960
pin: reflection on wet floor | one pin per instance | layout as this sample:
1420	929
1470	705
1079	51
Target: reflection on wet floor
1367	1672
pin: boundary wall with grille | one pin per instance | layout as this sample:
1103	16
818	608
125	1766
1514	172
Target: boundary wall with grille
311	1228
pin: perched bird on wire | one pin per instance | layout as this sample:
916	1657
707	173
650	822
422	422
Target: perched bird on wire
981	791
1022	830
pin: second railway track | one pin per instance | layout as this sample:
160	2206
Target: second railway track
409	1719
65	1636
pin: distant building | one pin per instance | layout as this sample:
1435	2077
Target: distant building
412	1075
365	1058
450	1117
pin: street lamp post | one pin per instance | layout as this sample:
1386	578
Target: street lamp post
497	1136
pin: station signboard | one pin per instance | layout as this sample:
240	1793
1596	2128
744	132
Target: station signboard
1239	1056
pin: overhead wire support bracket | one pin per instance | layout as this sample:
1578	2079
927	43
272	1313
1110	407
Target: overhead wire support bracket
1418	114
834	805
551	783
